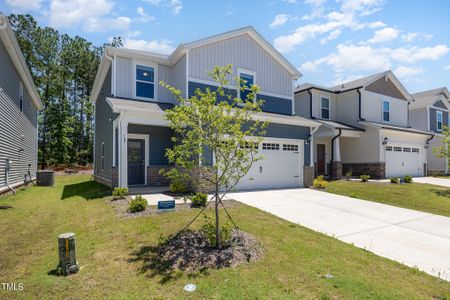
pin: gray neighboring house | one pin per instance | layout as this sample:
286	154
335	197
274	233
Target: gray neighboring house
131	132
19	104
365	128
430	112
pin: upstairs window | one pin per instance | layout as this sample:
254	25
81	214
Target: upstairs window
386	111
325	107
21	96
439	120
247	80
145	82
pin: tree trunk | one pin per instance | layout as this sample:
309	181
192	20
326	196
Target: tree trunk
217	216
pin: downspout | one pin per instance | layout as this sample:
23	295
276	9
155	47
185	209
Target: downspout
310	104
332	151
359	102
407	116
427	144
6	180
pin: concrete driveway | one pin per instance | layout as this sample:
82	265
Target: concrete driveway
433	180
414	238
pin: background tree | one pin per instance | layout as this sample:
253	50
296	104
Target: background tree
217	123
63	69
444	149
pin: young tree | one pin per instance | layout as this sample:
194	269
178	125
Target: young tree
216	122
444	149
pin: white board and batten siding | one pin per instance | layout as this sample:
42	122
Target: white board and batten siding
243	52
174	75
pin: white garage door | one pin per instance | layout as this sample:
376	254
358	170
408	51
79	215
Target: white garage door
280	167
404	160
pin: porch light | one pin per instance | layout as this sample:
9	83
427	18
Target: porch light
308	140
385	141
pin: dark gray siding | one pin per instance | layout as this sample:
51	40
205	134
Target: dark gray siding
433	125
18	132
159	140
271	104
104	130
440	104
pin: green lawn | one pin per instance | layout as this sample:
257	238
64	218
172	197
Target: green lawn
112	253
425	197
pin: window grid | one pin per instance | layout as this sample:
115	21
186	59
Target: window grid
439	120
386	111
406	149
248	145
398	149
145	82
325	107
290	147
415	150
388	148
270	146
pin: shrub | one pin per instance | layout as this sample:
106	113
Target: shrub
348	174
364	178
320	182
393	179
354	195
209	230
120	193
137	204
199	200
407	179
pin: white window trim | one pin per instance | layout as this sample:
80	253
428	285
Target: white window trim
245	71
382	111
439	112
329	107
155	81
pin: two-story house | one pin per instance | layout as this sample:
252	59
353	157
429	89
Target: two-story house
19	104
365	128
430	112
132	134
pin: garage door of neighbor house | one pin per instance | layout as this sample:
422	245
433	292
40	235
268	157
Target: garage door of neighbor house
281	167
404	159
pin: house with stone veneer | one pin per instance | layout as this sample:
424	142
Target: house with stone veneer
365	128
430	112
132	134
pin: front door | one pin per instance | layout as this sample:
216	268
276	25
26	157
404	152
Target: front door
136	162
321	159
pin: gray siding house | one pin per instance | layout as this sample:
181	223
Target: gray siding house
19	104
131	133
430	112
365	128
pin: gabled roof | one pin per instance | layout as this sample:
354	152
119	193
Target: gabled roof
184	48
9	40
359	83
429	97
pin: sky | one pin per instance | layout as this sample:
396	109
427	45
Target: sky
329	41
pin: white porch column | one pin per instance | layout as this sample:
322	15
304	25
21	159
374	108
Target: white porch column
123	155
337	150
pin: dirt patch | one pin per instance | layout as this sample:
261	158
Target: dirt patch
120	207
191	250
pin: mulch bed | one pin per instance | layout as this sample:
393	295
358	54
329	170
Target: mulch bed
120	207
192	251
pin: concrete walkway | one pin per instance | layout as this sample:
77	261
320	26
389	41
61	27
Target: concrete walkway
433	180
414	238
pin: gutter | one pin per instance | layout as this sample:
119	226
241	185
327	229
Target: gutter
310	104
427	143
332	151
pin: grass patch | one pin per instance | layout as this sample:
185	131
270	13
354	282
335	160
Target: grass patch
424	197
113	255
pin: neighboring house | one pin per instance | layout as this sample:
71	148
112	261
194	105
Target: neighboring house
132	135
19	104
430	112
365	128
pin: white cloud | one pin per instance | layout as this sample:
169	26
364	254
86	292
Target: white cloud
143	16
411	36
366	7
407	73
385	35
175	5
333	35
309	66
279	20
415	54
377	24
158	46
92	15
447	68
25	5
317	9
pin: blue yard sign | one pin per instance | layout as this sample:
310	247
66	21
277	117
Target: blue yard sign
166	205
